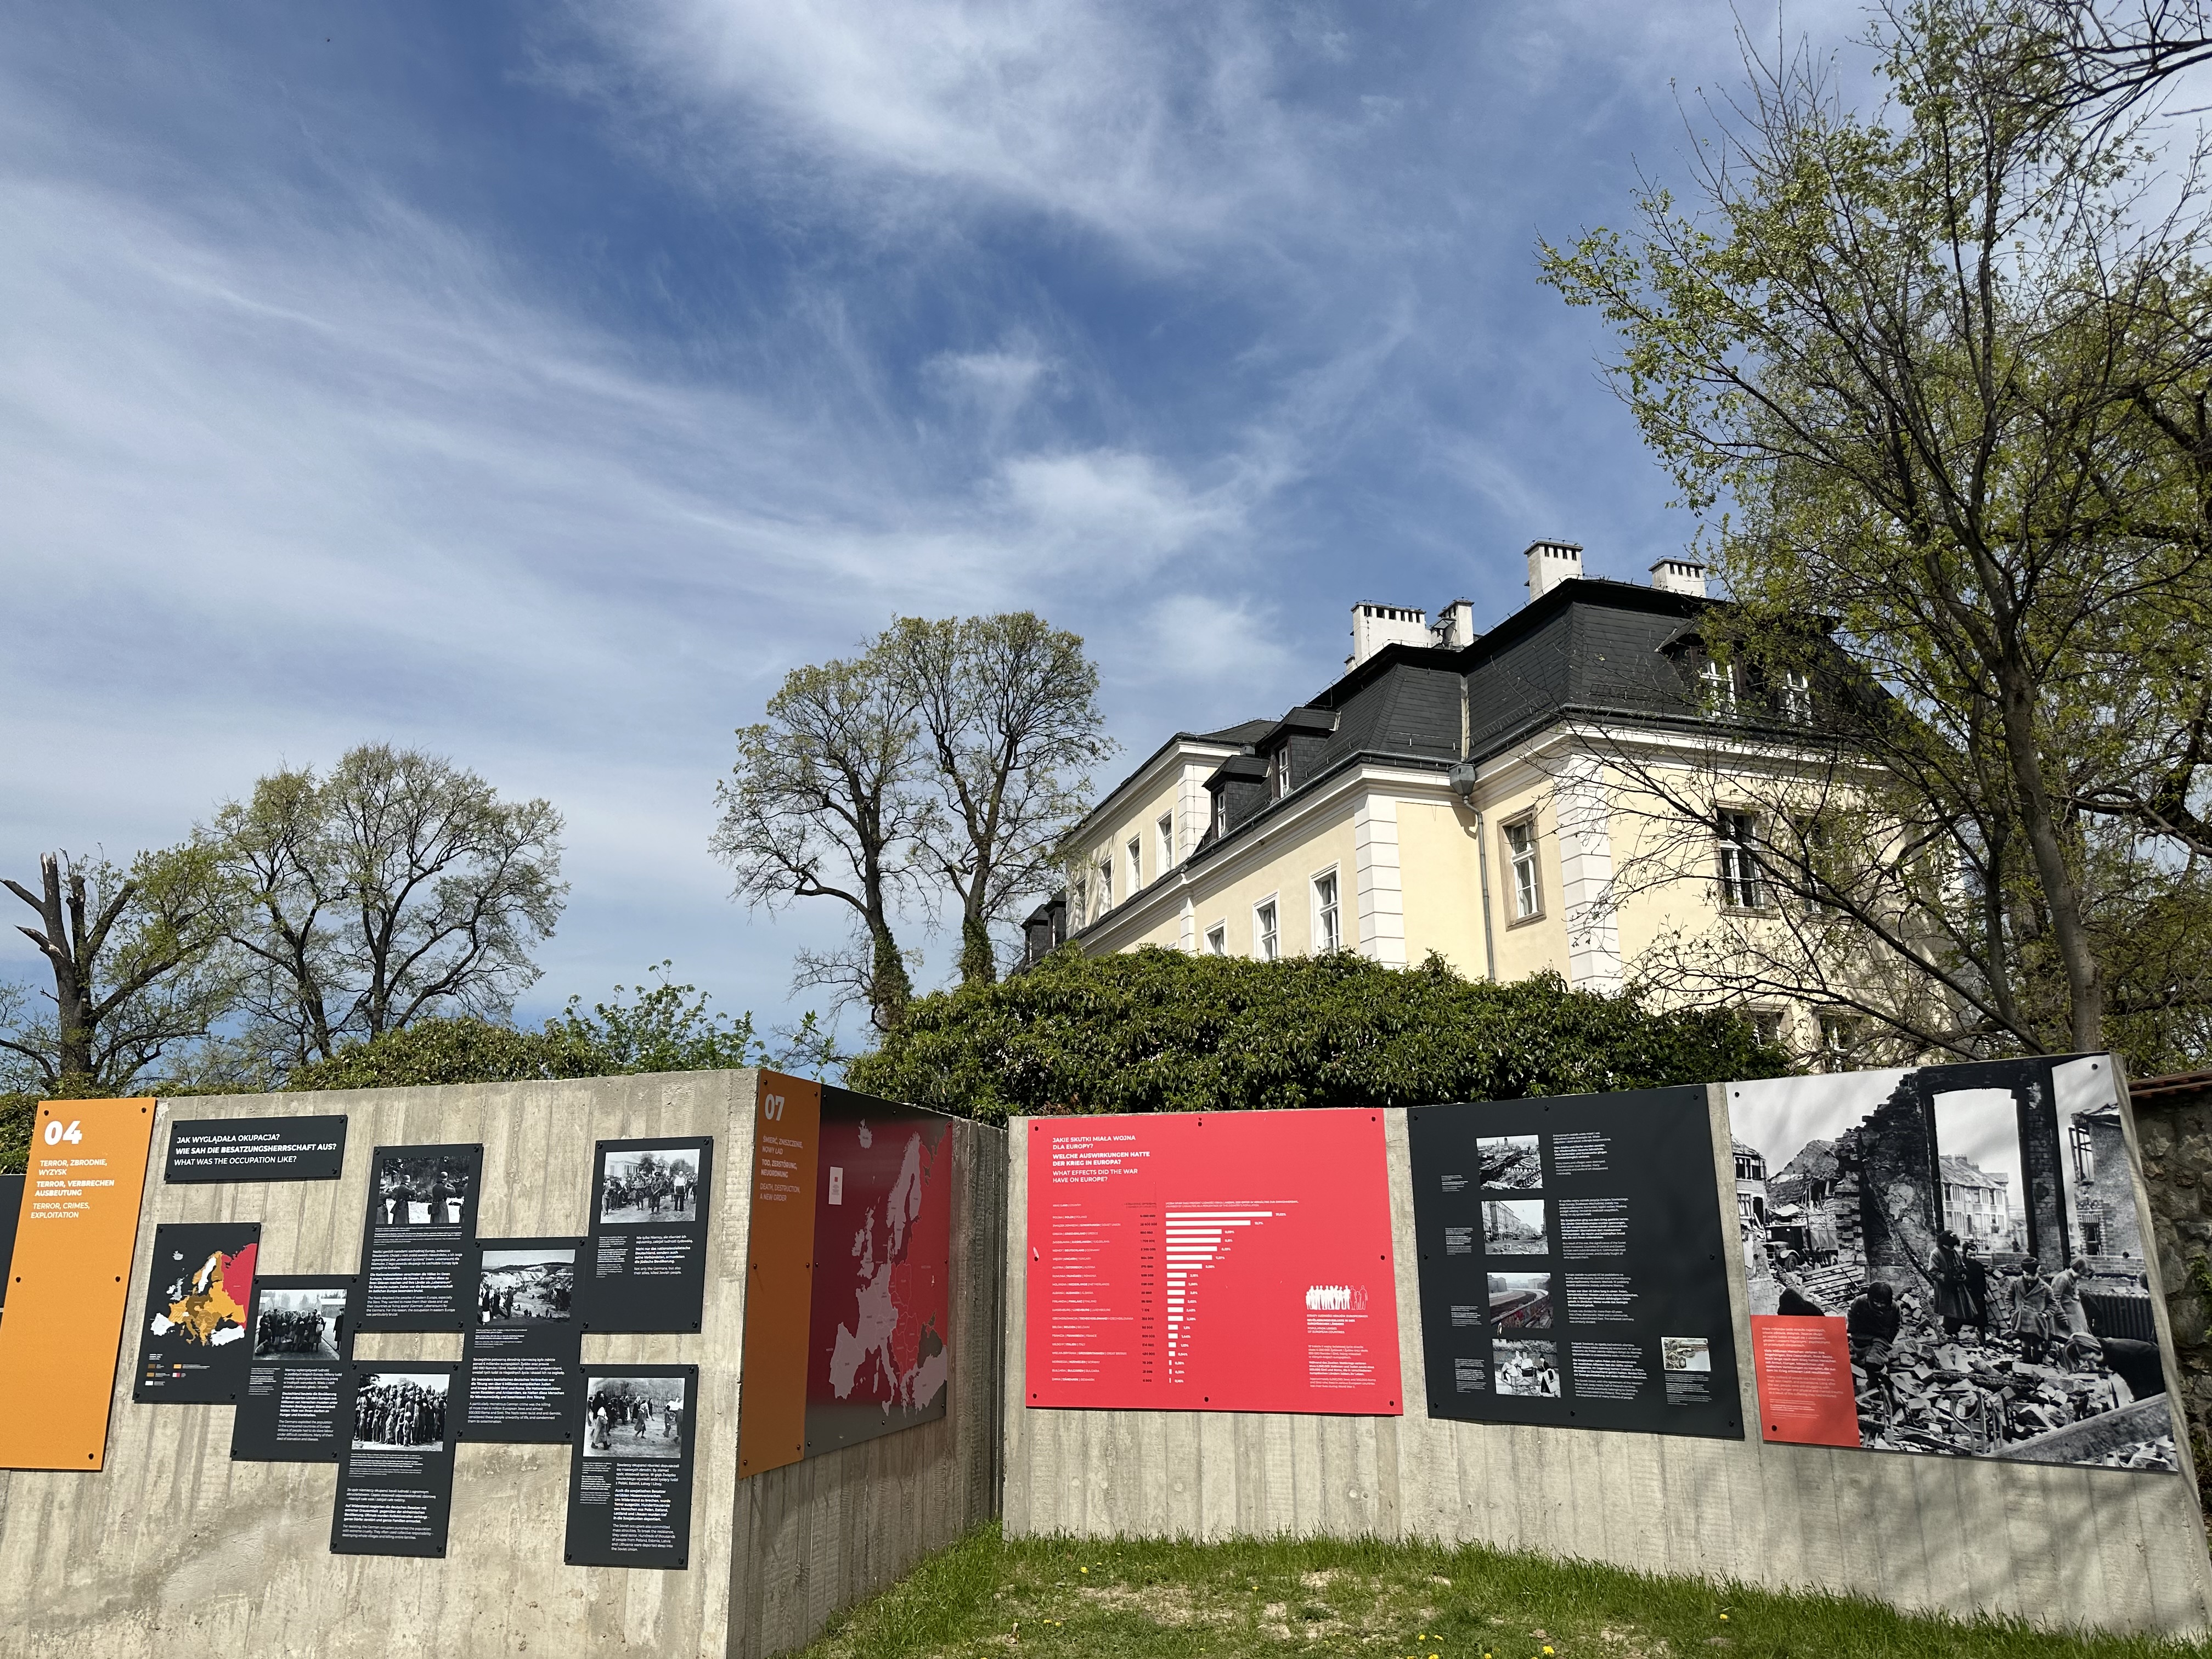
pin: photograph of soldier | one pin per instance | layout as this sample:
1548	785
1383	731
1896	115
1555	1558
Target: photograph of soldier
535	1283
634	1417
1521	1302
420	1192
400	1411
1511	1164
657	1186
1513	1226
1917	1209
300	1324
1528	1369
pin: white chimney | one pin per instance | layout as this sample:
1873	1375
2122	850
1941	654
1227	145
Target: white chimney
1680	576
1374	626
1551	563
1454	627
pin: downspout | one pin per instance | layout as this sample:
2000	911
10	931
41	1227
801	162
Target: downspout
1463	785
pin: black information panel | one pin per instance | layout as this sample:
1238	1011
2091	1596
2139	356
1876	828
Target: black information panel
257	1149
191	1330
418	1241
395	1480
1572	1271
648	1268
293	1407
629	1474
523	1351
11	1205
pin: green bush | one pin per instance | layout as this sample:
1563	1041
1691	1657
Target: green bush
17	1114
1163	1031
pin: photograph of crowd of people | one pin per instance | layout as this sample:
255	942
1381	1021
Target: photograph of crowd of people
1511	1163
1974	1229
634	1417
535	1282
420	1191
304	1323
400	1411
1526	1367
658	1186
1686	1353
1521	1302
1513	1226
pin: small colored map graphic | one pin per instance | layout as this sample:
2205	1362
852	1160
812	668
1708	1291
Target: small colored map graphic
206	1304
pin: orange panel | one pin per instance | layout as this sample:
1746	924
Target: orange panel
69	1281
778	1274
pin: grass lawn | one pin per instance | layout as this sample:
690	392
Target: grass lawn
1068	1599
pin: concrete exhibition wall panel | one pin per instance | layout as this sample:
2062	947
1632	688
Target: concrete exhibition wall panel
2096	1526
591	1238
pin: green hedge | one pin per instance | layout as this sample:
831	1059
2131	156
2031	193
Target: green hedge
1165	1030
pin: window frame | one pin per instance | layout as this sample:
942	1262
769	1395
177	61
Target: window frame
1780	1016
1268	943
1717	687
1217	939
1797	697
1511	859
1105	885
1743	885
1164	826
1327	919
1135	849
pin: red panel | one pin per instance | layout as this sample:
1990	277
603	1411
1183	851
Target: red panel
1226	1262
1805	1395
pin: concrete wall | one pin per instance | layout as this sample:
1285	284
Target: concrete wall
2056	1545
2175	1127
175	1549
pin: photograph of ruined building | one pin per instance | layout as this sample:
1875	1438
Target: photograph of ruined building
1976	1230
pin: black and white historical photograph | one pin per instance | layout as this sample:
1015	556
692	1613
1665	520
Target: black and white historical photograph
421	1190
634	1417
660	1185
1686	1353
400	1411
1513	1226
1974	1228
535	1282
1525	1368
305	1322
1511	1164
1521	1302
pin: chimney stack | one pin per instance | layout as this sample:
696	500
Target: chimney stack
1551	563
1680	576
1374	626
1454	627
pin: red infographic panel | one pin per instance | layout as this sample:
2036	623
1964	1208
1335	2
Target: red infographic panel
1225	1261
1805	1389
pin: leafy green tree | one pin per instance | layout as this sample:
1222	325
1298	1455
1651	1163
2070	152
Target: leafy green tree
133	959
661	1027
1008	712
1939	376
396	887
1164	1030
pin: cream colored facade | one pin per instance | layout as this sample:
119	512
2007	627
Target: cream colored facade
1419	867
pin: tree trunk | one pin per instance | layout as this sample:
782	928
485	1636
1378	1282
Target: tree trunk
890	990
64	945
2061	895
979	962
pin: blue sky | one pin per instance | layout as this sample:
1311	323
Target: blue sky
536	386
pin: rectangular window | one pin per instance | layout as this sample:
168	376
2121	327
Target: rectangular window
1080	896
1328	934
1105	886
1766	1026
1266	943
1521	858
1136	863
1840	1037
1742	884
1279	774
1216	939
1220	813
1717	681
1166	828
1796	696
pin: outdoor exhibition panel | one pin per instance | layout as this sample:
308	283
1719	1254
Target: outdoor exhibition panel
2096	1525
480	1390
